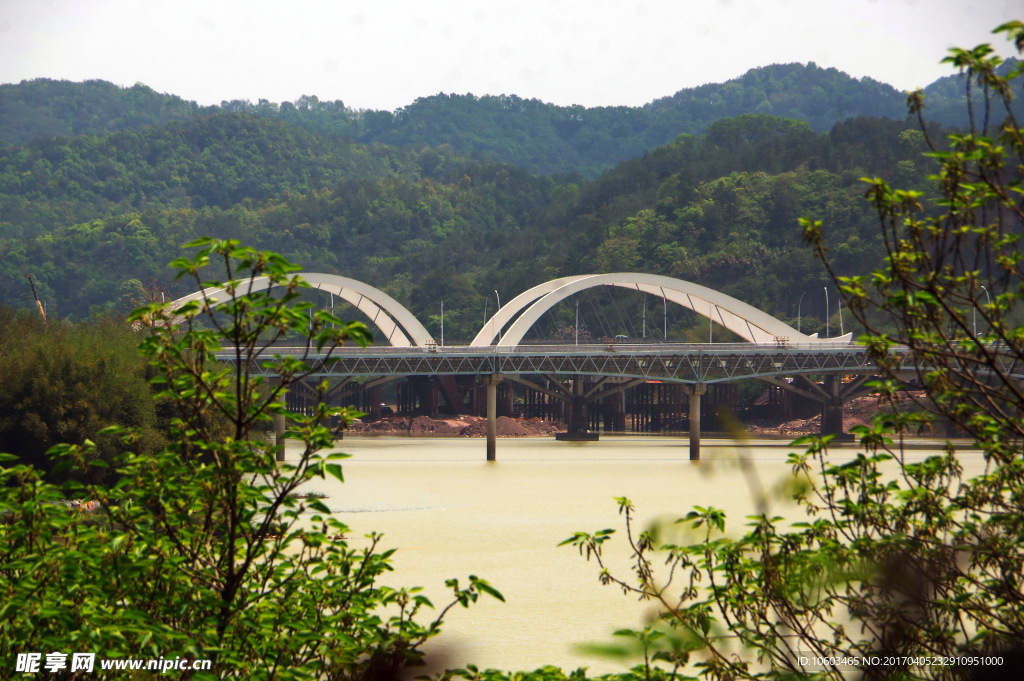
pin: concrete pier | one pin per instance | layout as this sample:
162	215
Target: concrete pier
579	430
832	411
279	423
695	391
492	382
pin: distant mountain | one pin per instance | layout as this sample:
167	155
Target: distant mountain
545	138
945	101
61	108
93	217
539	137
216	160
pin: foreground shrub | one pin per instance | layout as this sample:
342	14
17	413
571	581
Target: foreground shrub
905	571
196	550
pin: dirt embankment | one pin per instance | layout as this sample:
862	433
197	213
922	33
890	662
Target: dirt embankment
462	426
856	412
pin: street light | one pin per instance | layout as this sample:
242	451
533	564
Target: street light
442	323
826	311
645	318
798	310
577	322
664	311
987	297
496	314
487	300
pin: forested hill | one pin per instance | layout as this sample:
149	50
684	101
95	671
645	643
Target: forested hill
718	209
212	160
61	108
545	138
540	137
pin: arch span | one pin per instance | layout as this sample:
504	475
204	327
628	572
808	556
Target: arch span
742	319
495	324
393	320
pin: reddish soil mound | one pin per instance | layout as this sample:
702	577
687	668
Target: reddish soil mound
465	426
507	427
416	424
856	412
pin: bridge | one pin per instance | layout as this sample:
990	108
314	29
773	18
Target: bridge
773	351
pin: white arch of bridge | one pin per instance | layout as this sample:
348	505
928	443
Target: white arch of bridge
742	319
397	324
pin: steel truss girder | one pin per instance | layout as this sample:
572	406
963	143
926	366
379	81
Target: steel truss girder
679	366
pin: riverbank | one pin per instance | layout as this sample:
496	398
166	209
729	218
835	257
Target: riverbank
856	412
456	426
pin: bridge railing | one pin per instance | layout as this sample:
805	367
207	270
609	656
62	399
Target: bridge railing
583	349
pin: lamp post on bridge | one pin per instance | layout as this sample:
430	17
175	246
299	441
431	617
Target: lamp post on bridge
826	311
989	298
664	313
499	310
799	303
487	300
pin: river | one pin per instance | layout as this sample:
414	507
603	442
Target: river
451	514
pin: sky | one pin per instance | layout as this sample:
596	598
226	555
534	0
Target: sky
383	54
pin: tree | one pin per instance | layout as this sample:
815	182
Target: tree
955	265
196	550
915	575
64	382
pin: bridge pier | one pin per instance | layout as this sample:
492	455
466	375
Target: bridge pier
492	381
579	425
831	395
279	422
695	390
832	411
279	428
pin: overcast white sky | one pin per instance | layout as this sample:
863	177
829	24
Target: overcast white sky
384	54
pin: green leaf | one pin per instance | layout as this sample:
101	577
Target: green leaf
335	471
486	588
318	505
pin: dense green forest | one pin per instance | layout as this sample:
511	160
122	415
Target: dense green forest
540	137
64	382
59	108
212	160
95	218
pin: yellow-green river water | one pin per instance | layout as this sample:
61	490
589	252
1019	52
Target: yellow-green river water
451	514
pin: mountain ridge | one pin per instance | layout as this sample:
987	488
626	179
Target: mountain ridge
540	137
92	217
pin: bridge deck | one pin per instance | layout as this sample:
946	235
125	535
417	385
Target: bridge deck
684	363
